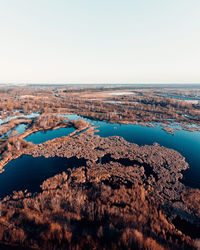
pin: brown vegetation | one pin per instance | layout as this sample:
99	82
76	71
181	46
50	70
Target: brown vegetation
15	145
146	105
125	197
70	215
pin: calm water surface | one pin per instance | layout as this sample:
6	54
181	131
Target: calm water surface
185	142
43	136
19	129
28	172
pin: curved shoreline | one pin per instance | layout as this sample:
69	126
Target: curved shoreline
18	152
114	166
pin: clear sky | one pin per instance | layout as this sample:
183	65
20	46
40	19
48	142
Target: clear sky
99	41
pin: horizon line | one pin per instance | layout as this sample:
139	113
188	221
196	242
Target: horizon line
99	83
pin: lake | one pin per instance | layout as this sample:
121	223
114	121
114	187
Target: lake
28	172
185	142
43	136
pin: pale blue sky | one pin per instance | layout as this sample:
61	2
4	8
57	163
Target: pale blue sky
92	41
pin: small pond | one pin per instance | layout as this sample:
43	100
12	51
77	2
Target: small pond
43	136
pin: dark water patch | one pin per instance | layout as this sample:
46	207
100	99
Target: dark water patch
120	205
124	161
127	162
186	227
29	173
43	136
116	182
7	247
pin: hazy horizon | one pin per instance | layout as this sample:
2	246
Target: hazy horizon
90	42
176	85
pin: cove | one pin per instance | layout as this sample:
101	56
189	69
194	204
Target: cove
28	172
43	136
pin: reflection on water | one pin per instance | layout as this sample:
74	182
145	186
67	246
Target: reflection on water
43	136
185	142
28	172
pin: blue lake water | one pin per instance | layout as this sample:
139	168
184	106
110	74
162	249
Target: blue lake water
185	142
19	129
43	136
182	97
